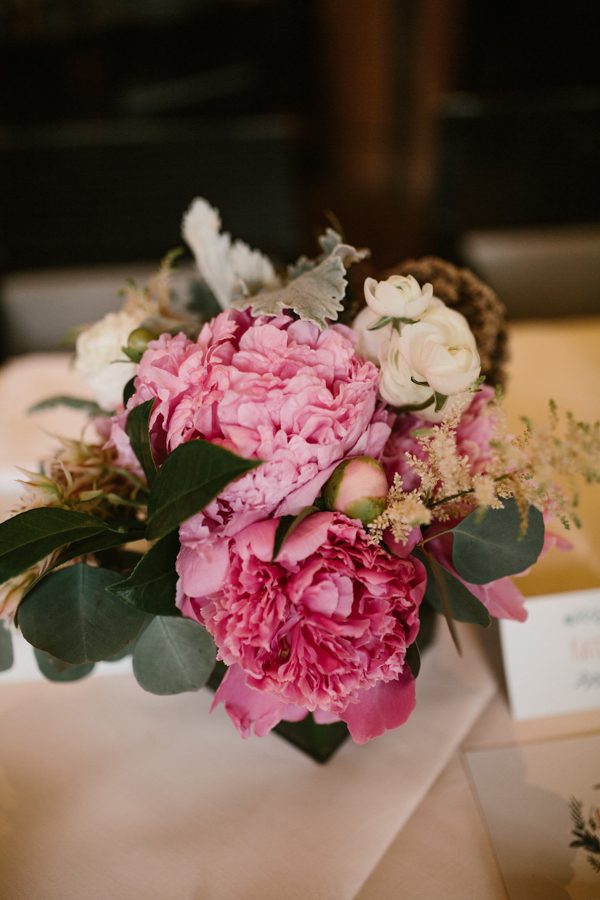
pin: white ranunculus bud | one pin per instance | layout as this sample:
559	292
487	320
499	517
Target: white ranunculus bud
99	356
400	297
369	343
441	350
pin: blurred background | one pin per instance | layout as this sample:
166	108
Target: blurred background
462	128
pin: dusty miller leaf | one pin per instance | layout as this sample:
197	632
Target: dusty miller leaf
331	244
315	295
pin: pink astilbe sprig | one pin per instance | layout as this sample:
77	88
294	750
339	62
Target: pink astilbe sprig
474	461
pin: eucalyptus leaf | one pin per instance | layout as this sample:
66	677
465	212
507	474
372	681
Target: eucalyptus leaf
173	655
137	428
88	406
287	525
31	535
71	615
316	295
457	601
6	649
56	670
188	480
490	546
151	585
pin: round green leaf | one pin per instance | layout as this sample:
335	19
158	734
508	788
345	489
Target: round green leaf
56	670
488	547
173	655
73	617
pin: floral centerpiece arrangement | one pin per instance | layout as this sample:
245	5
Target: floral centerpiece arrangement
287	481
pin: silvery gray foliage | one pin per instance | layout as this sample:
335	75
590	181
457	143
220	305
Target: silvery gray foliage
315	296
316	288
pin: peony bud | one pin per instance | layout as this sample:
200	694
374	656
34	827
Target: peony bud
358	488
138	341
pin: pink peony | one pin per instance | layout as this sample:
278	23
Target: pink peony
276	389
473	435
324	628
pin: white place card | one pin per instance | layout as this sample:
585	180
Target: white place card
552	661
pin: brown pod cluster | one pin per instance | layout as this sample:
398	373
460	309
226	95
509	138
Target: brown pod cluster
481	307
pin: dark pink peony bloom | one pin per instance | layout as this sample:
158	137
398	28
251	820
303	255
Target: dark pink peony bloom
324	628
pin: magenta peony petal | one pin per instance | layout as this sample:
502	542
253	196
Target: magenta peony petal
202	567
501	598
403	550
247	707
380	708
306	538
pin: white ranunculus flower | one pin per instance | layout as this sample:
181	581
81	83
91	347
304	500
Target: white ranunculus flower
400	296
99	356
441	350
370	343
395	383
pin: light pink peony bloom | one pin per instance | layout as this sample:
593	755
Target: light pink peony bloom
324	628
275	389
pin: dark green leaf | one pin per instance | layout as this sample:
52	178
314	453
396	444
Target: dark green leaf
98	543
151	585
189	479
72	616
380	323
137	428
128	391
287	525
56	670
6	650
30	536
440	399
413	659
462	604
88	406
488	547
173	655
